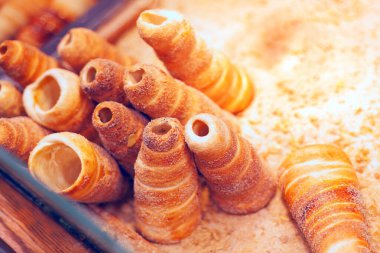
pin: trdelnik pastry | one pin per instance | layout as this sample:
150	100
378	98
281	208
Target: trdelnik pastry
166	184
71	165
321	190
24	63
57	102
187	58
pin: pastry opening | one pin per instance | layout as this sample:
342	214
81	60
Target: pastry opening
161	129
200	128
136	75
57	166
3	49
105	115
153	18
90	74
47	93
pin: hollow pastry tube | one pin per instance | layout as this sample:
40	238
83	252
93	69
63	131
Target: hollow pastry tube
19	135
120	129
14	14
56	101
102	80
24	63
10	100
51	20
188	59
238	181
157	94
166	184
321	189
71	165
80	45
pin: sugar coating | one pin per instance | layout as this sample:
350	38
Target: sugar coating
315	66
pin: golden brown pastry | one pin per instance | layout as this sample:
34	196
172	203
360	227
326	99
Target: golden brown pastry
71	165
57	102
120	130
52	20
80	45
321	190
10	100
166	184
14	14
187	58
24	63
157	94
238	182
102	80
19	135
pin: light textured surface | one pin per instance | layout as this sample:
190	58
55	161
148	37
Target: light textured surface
316	67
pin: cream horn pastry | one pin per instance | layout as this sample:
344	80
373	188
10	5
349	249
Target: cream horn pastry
19	135
80	45
321	189
24	63
157	94
102	80
10	100
71	165
56	101
166	184
120	129
14	14
52	19
188	59
238	181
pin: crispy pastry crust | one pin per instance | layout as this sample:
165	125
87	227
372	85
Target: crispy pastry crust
102	80
238	182
51	20
57	102
166	184
81	45
120	130
24	63
17	13
321	190
10	100
19	135
157	94
98	180
187	58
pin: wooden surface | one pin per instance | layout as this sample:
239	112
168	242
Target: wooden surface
25	228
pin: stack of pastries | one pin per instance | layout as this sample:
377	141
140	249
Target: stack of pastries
110	127
37	21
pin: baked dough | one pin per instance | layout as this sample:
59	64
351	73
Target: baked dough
81	45
120	130
10	100
157	94
166	184
71	165
57	102
19	135
188	59
102	80
24	63
238	181
321	190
